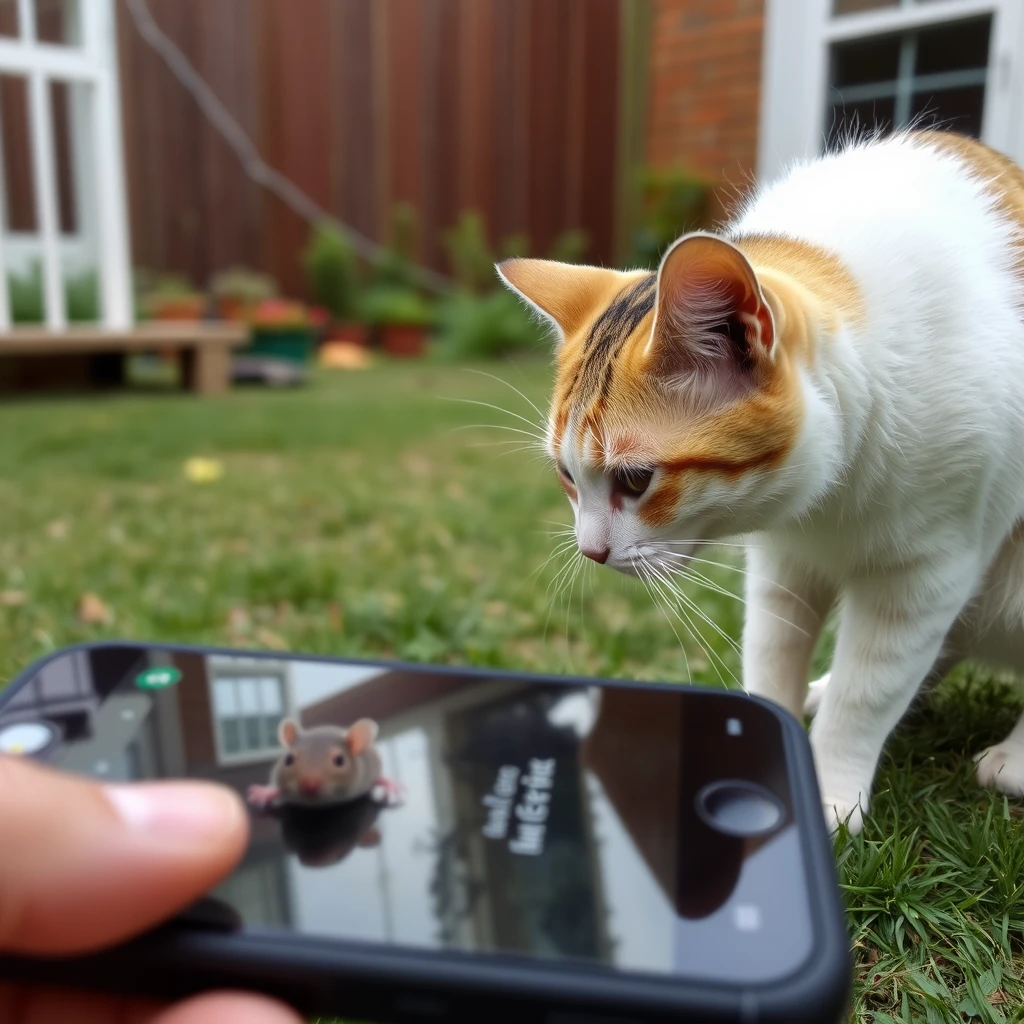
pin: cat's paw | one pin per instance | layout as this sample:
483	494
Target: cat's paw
814	694
841	811
1001	767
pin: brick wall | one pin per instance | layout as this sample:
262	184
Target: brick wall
705	87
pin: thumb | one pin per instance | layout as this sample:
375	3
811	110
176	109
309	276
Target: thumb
84	865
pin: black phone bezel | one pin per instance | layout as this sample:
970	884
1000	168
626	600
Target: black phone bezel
332	977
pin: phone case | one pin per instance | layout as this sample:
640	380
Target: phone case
201	949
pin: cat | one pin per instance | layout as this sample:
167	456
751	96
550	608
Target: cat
837	379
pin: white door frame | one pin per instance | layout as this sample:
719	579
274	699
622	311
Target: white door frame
100	187
797	37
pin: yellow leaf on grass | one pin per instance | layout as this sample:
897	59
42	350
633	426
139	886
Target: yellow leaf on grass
203	471
92	610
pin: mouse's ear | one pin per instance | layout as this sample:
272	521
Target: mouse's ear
361	735
288	732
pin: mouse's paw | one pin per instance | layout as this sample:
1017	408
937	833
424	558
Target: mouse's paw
1001	767
388	792
262	796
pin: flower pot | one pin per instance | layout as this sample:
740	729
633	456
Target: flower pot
232	309
287	341
350	334
177	307
404	341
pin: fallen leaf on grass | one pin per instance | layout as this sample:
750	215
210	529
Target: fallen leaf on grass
10	598
92	610
203	471
271	640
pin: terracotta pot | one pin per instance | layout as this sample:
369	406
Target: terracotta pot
404	341
177	308
350	334
232	309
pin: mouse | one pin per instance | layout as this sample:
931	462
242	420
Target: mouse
323	836
326	765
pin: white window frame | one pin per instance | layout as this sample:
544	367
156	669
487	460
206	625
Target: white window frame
100	189
235	670
797	38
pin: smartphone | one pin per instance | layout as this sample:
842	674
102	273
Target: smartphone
562	850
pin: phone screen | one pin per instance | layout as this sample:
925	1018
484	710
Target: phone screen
541	819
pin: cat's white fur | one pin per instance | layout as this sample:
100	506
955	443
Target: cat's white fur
913	449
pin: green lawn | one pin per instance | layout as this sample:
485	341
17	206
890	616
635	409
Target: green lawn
370	515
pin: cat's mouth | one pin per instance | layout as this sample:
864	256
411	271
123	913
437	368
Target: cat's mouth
656	559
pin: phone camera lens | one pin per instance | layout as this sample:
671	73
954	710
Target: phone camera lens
27	739
738	808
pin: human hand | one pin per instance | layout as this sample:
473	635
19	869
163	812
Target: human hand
84	866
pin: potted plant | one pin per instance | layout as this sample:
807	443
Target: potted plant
237	291
173	298
333	283
403	318
281	329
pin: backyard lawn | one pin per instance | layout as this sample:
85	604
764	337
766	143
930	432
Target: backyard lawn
372	514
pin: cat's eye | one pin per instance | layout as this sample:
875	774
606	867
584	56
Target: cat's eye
633	482
289	760
566	475
339	760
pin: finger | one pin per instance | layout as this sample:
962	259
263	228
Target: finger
229	1008
42	1006
84	865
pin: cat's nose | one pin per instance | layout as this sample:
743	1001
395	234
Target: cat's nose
598	555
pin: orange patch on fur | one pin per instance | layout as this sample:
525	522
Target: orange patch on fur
1004	177
660	508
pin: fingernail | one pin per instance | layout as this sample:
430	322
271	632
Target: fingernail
184	811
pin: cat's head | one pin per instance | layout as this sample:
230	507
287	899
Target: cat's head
678	407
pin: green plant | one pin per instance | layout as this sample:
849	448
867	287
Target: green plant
470	255
332	271
395	305
674	201
395	265
485	327
244	285
172	285
570	246
81	296
514	246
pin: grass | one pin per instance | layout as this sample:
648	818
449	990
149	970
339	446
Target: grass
367	515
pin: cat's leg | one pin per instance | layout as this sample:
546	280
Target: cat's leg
1001	766
891	633
784	614
941	669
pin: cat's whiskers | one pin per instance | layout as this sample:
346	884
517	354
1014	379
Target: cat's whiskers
648	586
497	408
500	380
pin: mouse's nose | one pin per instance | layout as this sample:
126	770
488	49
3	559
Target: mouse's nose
310	787
597	555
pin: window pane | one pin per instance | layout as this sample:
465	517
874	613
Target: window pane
953	47
248	696
253	733
21	194
225	699
270	724
271	702
958	110
856	6
60	105
9	18
865	60
59	22
231	736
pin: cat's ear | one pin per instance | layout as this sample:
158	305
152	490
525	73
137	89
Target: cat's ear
565	294
713	327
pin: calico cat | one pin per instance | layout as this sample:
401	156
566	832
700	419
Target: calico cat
837	377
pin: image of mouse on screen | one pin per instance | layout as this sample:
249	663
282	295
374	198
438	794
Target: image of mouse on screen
326	765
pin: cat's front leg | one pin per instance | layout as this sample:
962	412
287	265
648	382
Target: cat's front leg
891	634
784	614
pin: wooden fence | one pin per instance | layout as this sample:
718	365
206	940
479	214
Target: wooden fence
509	107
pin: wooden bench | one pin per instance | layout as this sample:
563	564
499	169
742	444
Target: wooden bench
34	358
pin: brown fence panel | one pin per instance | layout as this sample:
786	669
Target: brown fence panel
508	107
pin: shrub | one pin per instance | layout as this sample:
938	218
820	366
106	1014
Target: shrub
485	327
331	271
